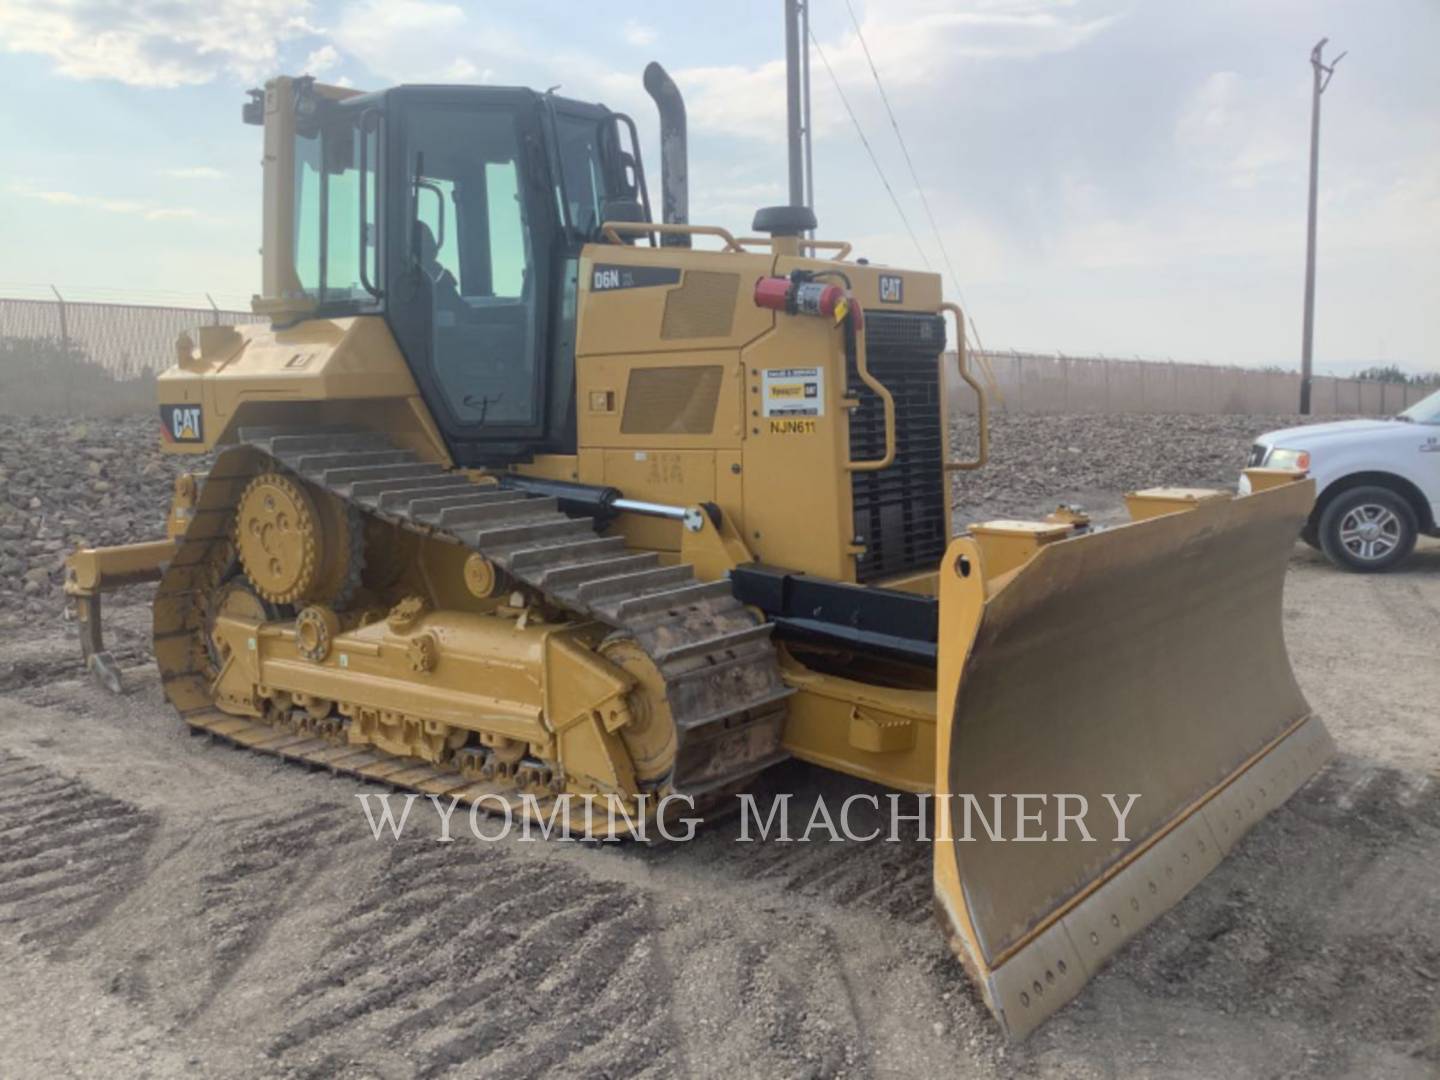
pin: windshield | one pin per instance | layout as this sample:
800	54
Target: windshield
580	183
1425	411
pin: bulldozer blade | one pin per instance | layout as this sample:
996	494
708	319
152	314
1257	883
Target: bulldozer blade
1145	660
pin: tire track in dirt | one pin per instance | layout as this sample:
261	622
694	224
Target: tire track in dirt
266	863
1345	942
890	878
68	854
451	960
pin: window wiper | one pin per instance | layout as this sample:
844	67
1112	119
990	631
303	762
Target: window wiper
1403	418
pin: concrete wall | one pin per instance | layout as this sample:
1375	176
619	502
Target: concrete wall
1033	383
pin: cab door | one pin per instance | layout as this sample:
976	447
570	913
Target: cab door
470	236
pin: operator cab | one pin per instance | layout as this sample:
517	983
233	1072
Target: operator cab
458	213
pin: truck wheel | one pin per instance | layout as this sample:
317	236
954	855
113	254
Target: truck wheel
1367	529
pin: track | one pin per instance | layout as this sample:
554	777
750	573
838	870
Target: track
66	852
722	680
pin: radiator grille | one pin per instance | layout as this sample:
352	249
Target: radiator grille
900	512
703	306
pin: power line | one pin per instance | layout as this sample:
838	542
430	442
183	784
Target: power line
905	150
869	150
919	188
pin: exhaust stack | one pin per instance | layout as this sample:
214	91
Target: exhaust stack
674	152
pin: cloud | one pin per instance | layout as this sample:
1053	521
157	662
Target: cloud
639	35
132	207
423	41
196	172
1239	132
154	43
321	60
915	44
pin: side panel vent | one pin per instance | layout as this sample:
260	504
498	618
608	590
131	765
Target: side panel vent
703	306
672	400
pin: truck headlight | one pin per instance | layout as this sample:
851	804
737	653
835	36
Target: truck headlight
1288	459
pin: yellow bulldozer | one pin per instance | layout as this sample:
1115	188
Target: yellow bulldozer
520	494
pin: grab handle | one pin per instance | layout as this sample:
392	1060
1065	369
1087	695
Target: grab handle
612	231
982	405
856	323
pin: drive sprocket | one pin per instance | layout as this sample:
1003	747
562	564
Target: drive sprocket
296	545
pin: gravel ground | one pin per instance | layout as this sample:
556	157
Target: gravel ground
170	907
1093	460
74	483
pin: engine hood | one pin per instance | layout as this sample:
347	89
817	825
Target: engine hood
1310	436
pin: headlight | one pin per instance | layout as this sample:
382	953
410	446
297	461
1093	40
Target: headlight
1288	459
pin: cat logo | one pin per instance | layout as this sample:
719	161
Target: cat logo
181	424
892	289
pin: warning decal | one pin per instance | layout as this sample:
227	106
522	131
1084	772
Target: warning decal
793	392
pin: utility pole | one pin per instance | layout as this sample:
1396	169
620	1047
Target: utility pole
1322	73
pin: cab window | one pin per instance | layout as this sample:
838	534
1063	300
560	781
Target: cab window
470	239
332	241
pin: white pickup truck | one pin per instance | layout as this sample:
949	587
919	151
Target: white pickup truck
1377	482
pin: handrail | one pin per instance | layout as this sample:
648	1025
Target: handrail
611	230
982	407
856	323
371	288
841	248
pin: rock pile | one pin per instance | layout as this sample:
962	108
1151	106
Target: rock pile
1037	461
69	483
65	483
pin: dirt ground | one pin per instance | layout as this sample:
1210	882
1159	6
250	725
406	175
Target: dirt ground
172	907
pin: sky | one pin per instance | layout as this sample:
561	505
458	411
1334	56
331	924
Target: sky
1114	177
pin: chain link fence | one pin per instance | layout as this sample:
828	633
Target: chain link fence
1077	385
133	343
127	340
